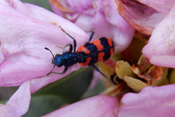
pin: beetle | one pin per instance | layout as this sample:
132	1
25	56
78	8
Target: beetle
86	55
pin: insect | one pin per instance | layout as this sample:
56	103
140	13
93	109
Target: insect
88	54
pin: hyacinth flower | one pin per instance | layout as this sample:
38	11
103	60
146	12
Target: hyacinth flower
128	95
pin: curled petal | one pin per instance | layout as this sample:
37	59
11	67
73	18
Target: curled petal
139	15
162	6
150	102
160	48
98	106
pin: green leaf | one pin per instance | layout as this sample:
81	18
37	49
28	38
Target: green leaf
43	3
42	105
3	101
7	92
98	88
72	86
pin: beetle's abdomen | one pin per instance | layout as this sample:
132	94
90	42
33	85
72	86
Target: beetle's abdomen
96	51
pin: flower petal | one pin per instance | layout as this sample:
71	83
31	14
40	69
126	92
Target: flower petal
160	48
18	103
27	30
150	102
140	16
100	17
98	106
163	6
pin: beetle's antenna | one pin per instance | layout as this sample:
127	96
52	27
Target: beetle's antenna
49	51
53	57
51	71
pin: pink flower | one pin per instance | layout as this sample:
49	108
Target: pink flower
160	48
144	16
151	101
150	17
98	106
100	16
27	30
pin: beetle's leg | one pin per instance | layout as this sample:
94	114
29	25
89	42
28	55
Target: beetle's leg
96	68
51	70
70	47
74	41
91	36
113	78
65	69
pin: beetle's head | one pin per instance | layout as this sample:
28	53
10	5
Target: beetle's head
57	60
54	60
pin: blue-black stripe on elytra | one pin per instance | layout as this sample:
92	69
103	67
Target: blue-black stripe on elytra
93	53
106	47
82	57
